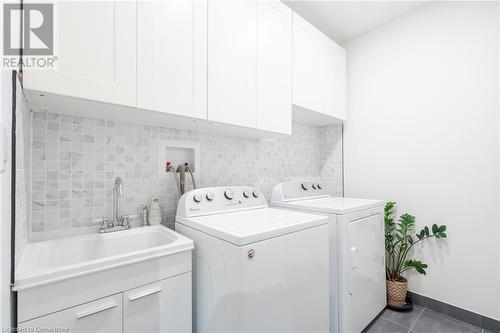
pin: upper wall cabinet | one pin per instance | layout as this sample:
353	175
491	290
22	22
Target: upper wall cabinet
228	62
319	72
249	64
172	57
307	65
95	43
335	80
232	45
274	67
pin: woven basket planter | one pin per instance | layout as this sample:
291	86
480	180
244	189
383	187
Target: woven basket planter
396	292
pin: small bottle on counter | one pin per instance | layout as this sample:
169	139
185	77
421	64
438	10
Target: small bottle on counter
155	212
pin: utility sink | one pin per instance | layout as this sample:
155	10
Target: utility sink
59	259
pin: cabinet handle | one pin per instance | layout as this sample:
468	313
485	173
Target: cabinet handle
101	308
144	293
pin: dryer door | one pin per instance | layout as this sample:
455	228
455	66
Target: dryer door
366	251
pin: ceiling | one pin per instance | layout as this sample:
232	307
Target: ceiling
345	20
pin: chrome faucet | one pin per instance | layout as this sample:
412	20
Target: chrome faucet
118	222
117	193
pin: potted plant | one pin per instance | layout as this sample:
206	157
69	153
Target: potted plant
398	243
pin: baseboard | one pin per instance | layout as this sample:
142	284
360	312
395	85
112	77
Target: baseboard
472	318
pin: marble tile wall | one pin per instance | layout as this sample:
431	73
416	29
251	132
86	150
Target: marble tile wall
75	161
331	151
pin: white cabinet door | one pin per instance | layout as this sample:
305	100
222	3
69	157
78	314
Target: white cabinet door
172	57
339	82
319	71
95	45
274	67
307	65
334	79
163	306
232	62
104	315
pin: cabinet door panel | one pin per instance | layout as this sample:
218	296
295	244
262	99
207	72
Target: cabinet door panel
319	71
171	64
334	79
274	67
232	62
95	59
339	83
307	65
103	315
163	306
328	78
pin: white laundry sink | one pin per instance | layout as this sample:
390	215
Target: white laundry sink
55	260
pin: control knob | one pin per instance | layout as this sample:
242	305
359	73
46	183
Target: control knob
304	186
210	196
255	194
229	194
246	194
197	197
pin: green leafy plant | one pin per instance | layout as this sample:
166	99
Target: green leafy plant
399	241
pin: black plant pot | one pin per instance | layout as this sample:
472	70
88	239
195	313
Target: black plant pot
408	306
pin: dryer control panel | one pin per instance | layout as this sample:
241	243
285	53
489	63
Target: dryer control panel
221	199
296	190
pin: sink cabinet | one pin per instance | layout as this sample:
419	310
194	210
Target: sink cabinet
138	280
163	306
103	315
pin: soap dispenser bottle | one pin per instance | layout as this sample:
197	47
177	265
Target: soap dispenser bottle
155	212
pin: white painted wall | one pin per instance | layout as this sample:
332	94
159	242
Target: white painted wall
423	130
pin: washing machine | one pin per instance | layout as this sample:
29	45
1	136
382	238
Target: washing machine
357	252
255	268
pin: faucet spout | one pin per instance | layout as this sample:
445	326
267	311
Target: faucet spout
118	222
117	193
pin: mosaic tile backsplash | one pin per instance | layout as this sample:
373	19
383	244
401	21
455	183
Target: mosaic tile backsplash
75	161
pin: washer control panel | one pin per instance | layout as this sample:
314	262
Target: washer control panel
213	200
296	190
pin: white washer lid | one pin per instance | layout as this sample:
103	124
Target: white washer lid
250	226
334	205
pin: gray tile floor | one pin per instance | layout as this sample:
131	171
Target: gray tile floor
420	320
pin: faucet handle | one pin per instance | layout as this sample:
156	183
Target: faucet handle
124	220
105	222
